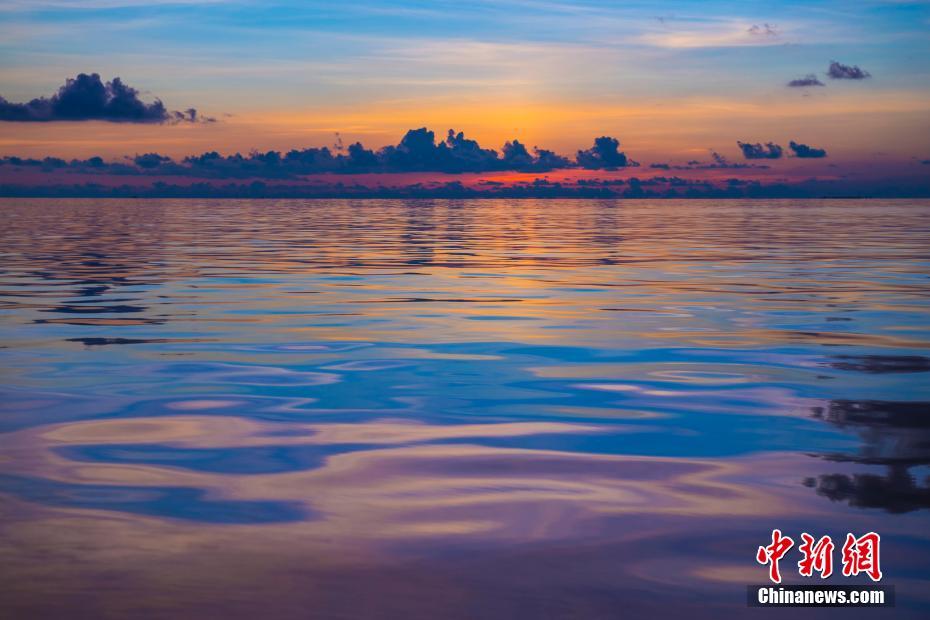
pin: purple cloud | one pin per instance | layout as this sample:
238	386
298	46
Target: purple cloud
808	80
839	71
605	154
804	151
88	98
769	150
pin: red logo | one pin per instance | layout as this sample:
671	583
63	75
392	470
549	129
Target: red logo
817	557
773	553
860	555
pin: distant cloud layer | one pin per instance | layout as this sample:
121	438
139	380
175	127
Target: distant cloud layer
769	150
418	151
87	97
808	80
720	162
839	71
806	152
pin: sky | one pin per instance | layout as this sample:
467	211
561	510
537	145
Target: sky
672	81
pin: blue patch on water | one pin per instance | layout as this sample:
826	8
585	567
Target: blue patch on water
159	501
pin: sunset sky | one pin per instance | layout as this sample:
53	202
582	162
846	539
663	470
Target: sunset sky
672	81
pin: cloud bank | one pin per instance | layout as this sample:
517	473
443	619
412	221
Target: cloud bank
88	98
417	151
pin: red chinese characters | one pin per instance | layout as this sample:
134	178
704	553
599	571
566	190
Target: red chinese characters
817	556
860	555
773	553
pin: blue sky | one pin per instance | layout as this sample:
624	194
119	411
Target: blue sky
666	77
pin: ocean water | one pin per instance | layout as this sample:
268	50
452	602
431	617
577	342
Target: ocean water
455	409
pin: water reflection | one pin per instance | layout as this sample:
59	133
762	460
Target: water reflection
170	502
880	364
895	435
450	408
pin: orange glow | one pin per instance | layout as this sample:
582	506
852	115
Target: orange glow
677	130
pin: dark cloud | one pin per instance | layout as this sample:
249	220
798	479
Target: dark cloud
87	97
190	115
808	80
548	160
460	154
271	174
604	155
338	187
765	30
769	150
417	151
150	160
323	160
839	71
516	155
719	162
360	157
806	152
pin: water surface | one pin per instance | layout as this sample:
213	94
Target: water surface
454	409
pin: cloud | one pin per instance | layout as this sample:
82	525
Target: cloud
765	30
548	160
728	33
515	154
719	162
769	150
839	71
417	151
605	154
467	154
806	152
335	187
150	160
87	98
360	157
808	80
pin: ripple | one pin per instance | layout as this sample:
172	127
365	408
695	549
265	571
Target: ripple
171	502
581	402
246	374
193	405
